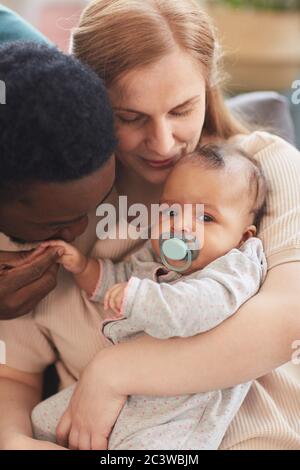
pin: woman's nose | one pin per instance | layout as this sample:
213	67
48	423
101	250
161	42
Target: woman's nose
69	234
160	139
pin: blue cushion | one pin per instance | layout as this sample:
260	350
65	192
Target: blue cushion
13	28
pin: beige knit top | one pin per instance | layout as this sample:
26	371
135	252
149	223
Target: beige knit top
65	328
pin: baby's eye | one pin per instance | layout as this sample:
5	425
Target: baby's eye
205	218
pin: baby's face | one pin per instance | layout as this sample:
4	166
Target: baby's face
225	222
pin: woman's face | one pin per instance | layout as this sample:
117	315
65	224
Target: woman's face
159	112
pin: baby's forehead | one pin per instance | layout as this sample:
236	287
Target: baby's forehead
234	183
237	172
233	176
223	187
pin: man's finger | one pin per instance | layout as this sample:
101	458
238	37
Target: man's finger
21	258
15	258
38	289
55	243
26	299
21	276
33	254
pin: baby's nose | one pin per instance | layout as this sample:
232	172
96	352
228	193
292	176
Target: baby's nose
187	230
182	225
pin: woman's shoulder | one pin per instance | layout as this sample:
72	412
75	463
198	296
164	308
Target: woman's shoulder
261	141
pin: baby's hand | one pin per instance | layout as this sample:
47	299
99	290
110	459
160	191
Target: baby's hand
71	258
113	299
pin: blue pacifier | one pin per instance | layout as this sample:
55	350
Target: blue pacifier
177	248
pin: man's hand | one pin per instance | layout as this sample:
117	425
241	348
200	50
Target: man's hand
25	279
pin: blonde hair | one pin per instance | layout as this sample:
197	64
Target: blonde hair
116	36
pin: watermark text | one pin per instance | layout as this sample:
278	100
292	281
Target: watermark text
2	92
296	353
296	94
2	352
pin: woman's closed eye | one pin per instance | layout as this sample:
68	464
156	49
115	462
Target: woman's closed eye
130	119
184	113
133	119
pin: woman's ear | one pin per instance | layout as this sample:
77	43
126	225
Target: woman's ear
249	232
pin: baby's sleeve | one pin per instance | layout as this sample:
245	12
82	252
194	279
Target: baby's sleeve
112	273
198	302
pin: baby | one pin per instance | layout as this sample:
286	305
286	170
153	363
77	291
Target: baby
179	284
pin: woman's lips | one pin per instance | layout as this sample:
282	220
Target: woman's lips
161	164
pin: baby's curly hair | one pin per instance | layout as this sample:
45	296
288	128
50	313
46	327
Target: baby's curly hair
217	156
57	124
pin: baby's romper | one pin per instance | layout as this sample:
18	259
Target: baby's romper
165	304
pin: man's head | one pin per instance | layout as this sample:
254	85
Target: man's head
56	143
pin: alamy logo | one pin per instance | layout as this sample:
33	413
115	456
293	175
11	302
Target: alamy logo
2	92
2	352
296	355
296	93
145	224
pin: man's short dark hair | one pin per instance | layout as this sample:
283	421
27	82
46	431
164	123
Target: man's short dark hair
57	123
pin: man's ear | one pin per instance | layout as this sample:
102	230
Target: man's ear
249	232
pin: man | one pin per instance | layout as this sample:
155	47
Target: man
56	146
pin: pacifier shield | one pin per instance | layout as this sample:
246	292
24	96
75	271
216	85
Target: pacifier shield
174	249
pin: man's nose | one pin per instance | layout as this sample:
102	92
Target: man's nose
160	139
69	234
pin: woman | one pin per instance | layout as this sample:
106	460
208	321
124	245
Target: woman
159	60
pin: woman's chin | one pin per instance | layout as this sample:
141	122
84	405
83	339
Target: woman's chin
155	176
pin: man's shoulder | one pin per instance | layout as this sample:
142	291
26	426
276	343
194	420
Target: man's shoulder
14	28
